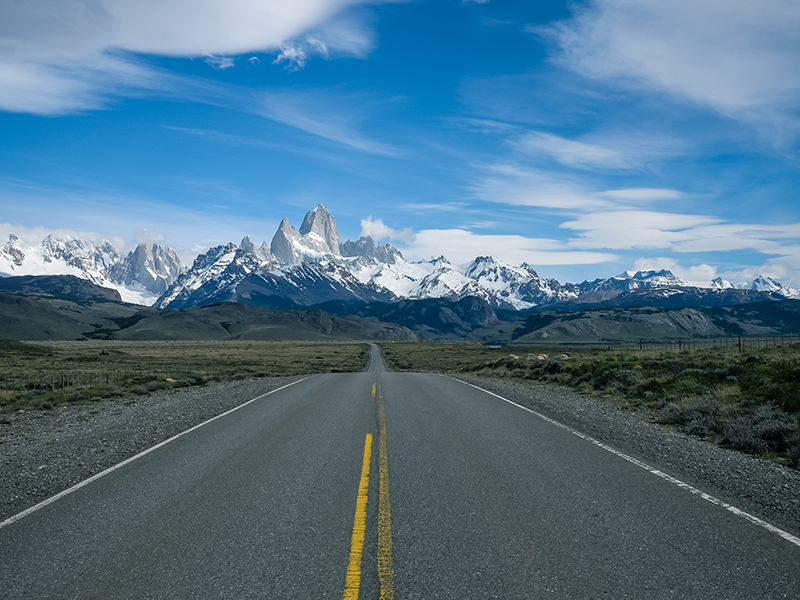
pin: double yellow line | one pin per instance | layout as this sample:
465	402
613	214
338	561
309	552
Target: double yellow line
385	568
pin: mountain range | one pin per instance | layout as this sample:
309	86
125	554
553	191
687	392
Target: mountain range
65	307
311	266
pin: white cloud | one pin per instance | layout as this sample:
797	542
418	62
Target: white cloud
782	268
218	62
71	86
768	239
644	194
33	236
60	56
147	236
629	229
572	153
294	55
620	150
700	275
377	230
461	246
427	207
297	52
736	56
509	184
625	229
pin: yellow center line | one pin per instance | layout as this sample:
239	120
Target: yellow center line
353	581
385	568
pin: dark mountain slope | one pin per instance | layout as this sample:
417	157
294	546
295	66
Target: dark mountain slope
64	287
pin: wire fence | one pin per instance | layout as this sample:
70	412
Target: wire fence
61	380
737	343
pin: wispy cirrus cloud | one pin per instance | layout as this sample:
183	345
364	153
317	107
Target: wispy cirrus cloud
511	184
461	246
644	194
684	233
739	58
327	114
218	62
626	229
622	151
572	153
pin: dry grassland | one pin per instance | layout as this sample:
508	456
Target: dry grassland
44	374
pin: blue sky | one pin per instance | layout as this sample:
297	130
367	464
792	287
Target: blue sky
586	138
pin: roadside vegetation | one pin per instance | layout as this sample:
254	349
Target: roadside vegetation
43	375
749	401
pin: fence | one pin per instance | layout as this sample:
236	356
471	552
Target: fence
61	380
738	343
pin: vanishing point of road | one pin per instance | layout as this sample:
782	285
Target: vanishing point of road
389	485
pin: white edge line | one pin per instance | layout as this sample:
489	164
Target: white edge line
753	519
96	476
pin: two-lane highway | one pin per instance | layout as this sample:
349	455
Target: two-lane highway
381	485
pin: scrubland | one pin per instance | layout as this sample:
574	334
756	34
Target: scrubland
749	401
42	375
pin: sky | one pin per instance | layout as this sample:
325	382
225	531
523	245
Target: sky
584	138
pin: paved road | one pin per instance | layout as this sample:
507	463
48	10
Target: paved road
467	496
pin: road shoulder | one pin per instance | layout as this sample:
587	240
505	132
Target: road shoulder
46	451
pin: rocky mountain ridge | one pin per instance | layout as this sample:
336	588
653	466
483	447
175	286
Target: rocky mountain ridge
140	277
312	265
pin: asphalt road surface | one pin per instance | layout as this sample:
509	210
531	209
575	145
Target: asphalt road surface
388	485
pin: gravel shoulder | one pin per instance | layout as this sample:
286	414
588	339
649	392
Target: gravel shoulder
43	452
762	488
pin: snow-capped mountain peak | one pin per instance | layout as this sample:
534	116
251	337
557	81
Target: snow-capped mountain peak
718	283
632	280
317	239
320	226
12	252
140	277
763	283
365	247
313	265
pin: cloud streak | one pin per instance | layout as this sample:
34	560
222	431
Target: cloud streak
737	57
461	246
327	114
620	152
518	186
630	229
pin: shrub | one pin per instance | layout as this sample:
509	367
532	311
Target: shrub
154	386
740	434
794	455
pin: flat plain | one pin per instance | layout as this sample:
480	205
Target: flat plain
45	374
